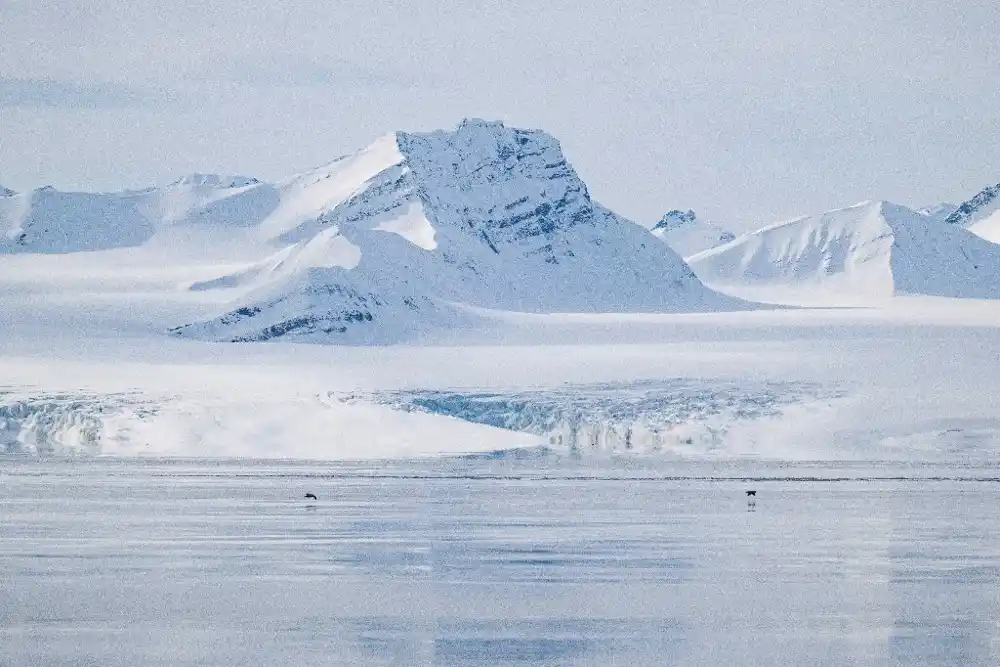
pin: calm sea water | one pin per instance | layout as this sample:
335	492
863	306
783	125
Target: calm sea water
482	562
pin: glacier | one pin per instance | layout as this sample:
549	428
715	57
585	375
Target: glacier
670	418
49	425
680	417
472	267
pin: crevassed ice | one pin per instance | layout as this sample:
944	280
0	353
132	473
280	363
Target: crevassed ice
680	416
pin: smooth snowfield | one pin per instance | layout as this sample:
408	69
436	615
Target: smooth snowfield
480	562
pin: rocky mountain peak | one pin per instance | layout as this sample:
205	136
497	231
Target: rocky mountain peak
675	219
505	185
987	198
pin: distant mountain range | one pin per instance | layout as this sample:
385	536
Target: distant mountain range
396	239
423	231
874	248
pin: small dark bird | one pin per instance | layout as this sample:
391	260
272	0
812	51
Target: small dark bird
752	493
311	496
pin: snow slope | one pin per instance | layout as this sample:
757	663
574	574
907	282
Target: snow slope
48	221
981	214
687	235
873	248
484	216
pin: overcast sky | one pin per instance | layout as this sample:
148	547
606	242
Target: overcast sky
744	111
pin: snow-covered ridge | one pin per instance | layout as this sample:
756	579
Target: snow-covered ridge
938	212
986	200
46	220
981	214
214	181
687	235
873	248
49	221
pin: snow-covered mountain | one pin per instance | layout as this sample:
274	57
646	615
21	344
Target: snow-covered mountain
873	248
46	220
379	245
6	192
981	214
686	234
401	237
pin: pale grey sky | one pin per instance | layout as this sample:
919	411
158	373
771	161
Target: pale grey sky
744	111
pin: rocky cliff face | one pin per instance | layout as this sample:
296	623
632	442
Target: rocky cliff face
985	202
981	214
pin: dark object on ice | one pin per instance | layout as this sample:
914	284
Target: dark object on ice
311	496
752	493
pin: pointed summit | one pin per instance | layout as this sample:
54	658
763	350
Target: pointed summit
687	234
676	219
393	240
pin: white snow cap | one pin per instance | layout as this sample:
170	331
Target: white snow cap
873	247
484	215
